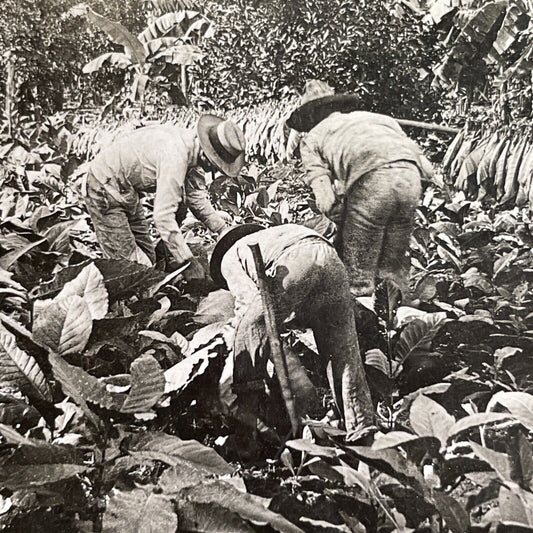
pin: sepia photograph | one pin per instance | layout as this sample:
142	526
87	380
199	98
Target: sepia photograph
265	266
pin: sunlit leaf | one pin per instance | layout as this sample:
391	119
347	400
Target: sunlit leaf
15	477
63	326
519	404
387	299
429	418
113	58
119	35
89	284
139	511
196	455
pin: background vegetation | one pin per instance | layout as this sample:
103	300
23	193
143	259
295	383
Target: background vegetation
115	381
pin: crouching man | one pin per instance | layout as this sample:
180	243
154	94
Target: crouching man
172	161
311	289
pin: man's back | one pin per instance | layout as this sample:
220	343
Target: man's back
136	158
352	144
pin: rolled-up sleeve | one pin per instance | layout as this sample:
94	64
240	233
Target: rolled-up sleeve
168	196
197	198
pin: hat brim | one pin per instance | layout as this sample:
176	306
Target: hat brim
227	239
205	125
308	115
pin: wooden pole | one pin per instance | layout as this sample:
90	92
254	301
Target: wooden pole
427	126
278	357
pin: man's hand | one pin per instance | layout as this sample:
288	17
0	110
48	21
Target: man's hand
324	194
195	271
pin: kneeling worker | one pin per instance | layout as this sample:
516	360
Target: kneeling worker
170	160
310	286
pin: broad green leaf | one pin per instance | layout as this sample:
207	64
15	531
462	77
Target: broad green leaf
9	259
309	447
516	505
113	58
15	411
89	284
184	373
455	515
502	263
503	353
244	505
16	477
378	360
499	462
218	306
20	371
159	7
147	385
393	439
139	511
429	418
122	278
180	54
475	420
210	518
525	457
387	299
63	326
418	334
79	385
119	35
35	452
393	463
155	45
519	404
320	468
196	455
166	24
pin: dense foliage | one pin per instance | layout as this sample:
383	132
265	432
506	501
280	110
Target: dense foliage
49	50
114	378
265	49
116	405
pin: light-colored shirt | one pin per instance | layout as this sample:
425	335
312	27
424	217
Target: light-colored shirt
161	158
345	146
238	266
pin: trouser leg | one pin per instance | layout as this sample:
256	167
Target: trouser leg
362	233
394	261
336	337
141	231
112	230
377	225
250	353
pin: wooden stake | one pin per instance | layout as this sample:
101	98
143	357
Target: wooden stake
278	357
427	126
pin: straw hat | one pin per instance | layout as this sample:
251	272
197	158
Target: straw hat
317	103
223	143
226	240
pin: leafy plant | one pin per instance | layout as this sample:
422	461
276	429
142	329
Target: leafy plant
171	39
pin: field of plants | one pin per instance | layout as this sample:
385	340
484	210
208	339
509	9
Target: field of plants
116	407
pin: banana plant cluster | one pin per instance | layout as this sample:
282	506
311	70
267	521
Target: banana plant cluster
169	40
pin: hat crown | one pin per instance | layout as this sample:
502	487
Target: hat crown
231	137
223	143
316	89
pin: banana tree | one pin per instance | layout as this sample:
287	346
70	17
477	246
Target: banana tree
169	40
